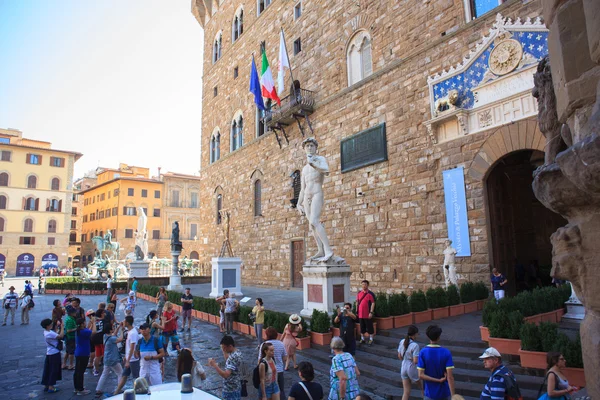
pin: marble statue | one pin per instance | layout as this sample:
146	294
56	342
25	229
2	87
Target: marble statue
448	267
141	235
569	181
176	244
310	200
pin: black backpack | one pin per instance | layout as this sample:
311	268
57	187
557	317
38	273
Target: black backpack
31	304
122	345
256	374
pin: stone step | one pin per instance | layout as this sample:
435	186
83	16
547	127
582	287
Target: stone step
390	347
382	370
399	334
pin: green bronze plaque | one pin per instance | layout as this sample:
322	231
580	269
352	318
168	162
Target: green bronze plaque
365	148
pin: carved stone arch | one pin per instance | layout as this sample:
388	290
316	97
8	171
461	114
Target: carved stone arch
215	132
521	135
257	174
362	21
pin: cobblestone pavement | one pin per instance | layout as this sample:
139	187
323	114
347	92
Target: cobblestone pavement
23	353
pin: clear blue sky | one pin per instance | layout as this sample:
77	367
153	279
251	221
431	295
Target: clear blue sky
117	80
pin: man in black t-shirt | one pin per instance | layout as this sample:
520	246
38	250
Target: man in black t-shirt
103	325
347	320
299	389
186	309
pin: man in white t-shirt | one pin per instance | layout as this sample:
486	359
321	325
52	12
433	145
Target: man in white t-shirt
9	304
25	299
132	363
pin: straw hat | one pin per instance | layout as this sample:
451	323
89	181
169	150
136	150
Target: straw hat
295	319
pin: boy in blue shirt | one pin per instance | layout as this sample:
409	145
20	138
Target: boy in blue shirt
435	367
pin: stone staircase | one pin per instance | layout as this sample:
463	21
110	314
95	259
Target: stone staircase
380	366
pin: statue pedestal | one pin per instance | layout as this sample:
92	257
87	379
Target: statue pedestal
139	269
575	310
226	274
326	285
175	278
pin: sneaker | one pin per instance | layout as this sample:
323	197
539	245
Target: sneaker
4	324
189	330
181	330
84	392
96	373
370	342
362	341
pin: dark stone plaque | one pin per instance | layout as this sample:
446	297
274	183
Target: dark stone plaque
338	293
315	293
229	278
365	148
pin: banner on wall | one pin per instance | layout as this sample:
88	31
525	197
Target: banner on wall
456	211
50	260
2	262
25	264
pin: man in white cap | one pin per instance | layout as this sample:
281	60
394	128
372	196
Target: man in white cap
502	382
10	304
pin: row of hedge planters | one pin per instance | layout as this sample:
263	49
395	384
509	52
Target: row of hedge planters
538	340
207	309
398	310
502	321
78	286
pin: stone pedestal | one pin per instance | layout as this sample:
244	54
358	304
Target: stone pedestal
175	278
575	310
139	269
326	285
226	274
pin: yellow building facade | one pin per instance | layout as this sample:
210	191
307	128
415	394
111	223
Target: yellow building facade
112	204
35	203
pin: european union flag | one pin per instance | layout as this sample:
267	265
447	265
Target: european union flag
255	87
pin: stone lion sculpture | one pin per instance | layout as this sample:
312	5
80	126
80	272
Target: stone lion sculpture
447	102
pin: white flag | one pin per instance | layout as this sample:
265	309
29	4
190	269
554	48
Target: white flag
284	62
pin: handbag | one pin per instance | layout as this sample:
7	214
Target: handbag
545	396
306	390
59	347
252	317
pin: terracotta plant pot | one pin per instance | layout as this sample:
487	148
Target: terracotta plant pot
236	326
559	314
213	319
385	323
506	346
303	343
177	307
421	316
480	304
458	309
534	319
246	329
403	320
575	376
533	359
439	313
470	307
203	316
196	314
335	331
322	339
549	317
485	333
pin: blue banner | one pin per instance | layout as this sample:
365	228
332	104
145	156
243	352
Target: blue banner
456	211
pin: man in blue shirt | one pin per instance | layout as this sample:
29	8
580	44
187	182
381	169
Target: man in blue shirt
435	367
502	382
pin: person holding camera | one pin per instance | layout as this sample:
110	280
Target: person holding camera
258	316
347	320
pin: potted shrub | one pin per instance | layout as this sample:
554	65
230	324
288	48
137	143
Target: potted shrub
335	327
454	306
400	310
467	297
488	310
437	302
418	306
382	311
319	328
572	352
531	353
303	339
504	331
481	294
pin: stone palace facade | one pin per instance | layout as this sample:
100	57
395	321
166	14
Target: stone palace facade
396	93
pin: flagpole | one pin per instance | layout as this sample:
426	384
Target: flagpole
288	57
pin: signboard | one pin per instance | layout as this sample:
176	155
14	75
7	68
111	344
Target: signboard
365	148
25	264
456	211
50	260
2	261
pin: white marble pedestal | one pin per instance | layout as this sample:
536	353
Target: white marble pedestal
326	285
139	268
575	310
226	274
175	278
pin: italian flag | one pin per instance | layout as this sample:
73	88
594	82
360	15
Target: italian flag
266	81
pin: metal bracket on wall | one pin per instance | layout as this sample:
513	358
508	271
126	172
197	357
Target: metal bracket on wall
304	115
279	127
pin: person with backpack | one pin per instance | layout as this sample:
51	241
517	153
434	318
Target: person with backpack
26	305
149	350
267	374
112	358
502	384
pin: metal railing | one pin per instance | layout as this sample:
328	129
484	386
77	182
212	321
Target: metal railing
302	100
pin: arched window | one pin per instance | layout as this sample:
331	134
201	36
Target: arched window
358	58
31	204
28	225
194	255
261	6
237	138
31	182
237	27
257	198
3	202
215	147
73	237
296	185
217	47
55	185
1	224
55	205
219	207
3	179
52	226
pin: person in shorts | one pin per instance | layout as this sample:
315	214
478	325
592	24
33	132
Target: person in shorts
365	306
70	329
186	309
131	364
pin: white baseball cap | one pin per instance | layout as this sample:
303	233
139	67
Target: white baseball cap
490	352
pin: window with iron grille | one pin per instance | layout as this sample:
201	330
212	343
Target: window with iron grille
73	224
257	198
51	241
130	192
144	193
5	155
157	194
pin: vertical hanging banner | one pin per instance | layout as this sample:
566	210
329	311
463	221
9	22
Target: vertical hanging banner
456	211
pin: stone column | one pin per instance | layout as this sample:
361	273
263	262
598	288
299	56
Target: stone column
175	279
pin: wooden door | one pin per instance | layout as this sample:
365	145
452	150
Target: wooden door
297	262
